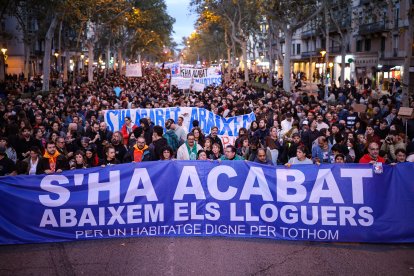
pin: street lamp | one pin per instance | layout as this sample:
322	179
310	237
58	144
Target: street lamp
56	55
324	77
4	50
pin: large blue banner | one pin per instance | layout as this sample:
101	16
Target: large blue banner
345	203
226	126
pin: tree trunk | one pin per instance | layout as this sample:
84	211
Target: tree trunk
343	63
270	56
2	68
48	53
66	66
108	55
120	60
407	59
286	60
26	60
91	47
246	70
59	58
327	54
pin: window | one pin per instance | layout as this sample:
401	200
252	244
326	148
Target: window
367	45
359	46
298	49
382	44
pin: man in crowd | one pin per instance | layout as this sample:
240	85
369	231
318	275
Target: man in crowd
52	161
215	138
7	166
158	143
230	154
139	152
373	155
188	150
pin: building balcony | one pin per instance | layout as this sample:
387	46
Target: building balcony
371	28
308	34
335	50
309	54
395	53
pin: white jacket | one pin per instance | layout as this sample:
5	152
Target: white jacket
182	152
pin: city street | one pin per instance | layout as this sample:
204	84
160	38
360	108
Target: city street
206	256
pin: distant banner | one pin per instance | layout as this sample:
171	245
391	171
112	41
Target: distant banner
328	203
115	119
133	70
181	83
206	76
198	87
174	67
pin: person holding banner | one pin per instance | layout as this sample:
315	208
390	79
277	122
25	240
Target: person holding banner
230	154
52	161
215	138
127	129
300	158
110	158
138	153
372	156
188	150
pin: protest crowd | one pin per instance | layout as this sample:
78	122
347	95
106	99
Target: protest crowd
65	129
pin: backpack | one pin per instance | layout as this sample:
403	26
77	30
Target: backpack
172	139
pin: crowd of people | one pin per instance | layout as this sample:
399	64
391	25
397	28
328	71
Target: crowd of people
65	129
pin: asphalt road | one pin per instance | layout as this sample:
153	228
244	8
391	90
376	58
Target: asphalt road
205	256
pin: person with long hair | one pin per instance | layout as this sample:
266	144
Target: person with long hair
167	153
208	146
92	159
79	161
199	136
216	154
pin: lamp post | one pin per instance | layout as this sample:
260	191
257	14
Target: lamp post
324	76
4	57
57	56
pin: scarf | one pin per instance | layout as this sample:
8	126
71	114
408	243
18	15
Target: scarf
52	159
138	153
192	152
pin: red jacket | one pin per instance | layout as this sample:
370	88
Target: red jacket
125	133
366	158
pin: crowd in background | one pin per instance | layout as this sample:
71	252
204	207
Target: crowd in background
65	129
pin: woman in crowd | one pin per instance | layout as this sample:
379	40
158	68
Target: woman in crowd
92	159
216	152
198	135
33	160
300	158
208	146
167	153
79	162
202	155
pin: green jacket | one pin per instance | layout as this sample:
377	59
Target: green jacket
236	157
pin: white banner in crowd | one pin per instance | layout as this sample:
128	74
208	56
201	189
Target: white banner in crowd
206	76
228	128
198	86
181	83
133	70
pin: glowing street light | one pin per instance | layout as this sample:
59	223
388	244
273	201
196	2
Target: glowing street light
82	56
323	53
